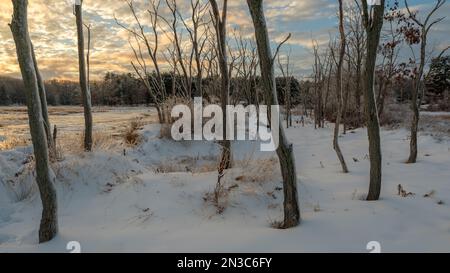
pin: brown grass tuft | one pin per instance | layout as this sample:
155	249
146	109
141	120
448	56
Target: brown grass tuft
131	135
10	142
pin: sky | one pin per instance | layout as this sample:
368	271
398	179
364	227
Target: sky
53	32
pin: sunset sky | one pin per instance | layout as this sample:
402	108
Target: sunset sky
53	32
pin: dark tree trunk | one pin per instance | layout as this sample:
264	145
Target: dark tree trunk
346	97
373	22
19	27
415	101
358	86
339	96
86	93
285	149
327	94
221	34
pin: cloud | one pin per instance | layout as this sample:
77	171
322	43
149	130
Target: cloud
53	32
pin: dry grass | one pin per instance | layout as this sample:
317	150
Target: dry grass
192	164
131	135
12	142
73	143
111	121
258	170
250	177
218	199
22	185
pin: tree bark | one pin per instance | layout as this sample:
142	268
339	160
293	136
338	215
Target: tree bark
221	34
19	27
285	149
288	101
339	96
43	98
325	103
346	97
373	22
415	103
358	86
86	93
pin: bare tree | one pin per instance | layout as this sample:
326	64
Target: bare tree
88	55
246	71
85	91
19	27
318	70
149	43
425	27
176	39
285	149
220	25
389	51
357	43
43	98
287	77
198	34
339	83
373	23
347	92
330	57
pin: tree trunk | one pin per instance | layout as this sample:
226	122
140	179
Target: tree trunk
325	103
221	34
415	101
381	97
285	149
358	86
288	102
86	93
43	98
339	96
19	27
373	25
346	96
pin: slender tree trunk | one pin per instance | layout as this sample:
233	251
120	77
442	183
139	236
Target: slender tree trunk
86	93
414	128
221	34
198	63
358	89
19	27
415	101
346	96
88	58
288	102
43	98
339	84
285	149
325	103
373	23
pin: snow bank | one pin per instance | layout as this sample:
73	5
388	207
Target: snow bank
122	202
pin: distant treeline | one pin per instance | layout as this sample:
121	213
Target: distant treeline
123	89
115	89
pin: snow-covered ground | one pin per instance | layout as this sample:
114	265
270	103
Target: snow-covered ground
127	203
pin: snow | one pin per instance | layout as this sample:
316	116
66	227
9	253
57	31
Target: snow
123	203
444	114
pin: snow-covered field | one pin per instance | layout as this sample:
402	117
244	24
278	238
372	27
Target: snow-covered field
152	198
